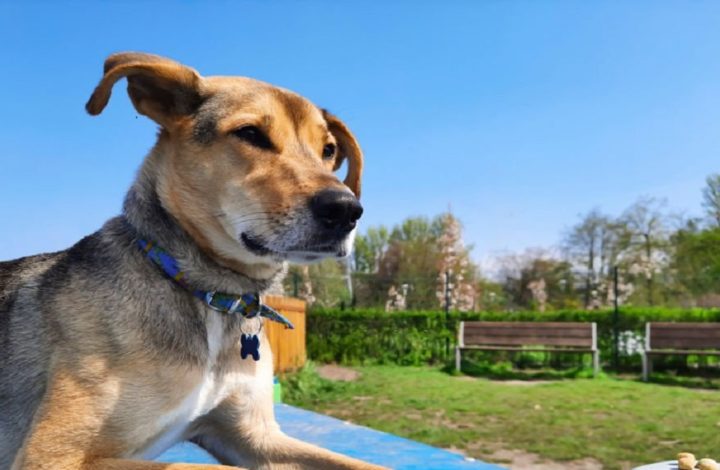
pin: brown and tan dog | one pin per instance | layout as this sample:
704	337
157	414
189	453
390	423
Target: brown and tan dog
103	359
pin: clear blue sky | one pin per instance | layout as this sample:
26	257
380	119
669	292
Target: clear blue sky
520	115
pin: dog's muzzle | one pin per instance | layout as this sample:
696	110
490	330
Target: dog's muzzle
325	229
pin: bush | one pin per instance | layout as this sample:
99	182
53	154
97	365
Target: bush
365	336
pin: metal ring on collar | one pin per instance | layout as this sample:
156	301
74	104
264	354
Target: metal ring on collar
251	326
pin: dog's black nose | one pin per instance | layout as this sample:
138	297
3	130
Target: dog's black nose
336	210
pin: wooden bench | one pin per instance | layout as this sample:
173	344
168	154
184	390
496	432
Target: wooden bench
679	338
564	337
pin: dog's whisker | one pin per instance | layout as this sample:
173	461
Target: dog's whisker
254	206
251	220
252	215
246	214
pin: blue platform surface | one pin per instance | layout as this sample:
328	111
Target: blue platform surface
349	439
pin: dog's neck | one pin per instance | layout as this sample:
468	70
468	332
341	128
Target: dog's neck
144	211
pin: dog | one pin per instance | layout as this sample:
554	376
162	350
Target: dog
108	354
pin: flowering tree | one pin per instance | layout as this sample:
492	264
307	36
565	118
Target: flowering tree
646	254
397	299
625	289
454	267
306	287
592	246
518	271
539	294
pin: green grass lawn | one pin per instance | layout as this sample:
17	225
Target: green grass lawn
620	423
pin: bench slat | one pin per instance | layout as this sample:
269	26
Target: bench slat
528	349
689	334
684	343
684	335
524	332
526	324
572	334
684	352
481	339
684	326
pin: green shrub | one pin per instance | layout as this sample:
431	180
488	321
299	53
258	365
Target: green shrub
372	336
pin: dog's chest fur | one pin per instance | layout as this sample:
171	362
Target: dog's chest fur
217	382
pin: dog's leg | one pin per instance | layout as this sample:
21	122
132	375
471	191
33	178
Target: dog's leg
72	430
244	432
121	464
124	464
51	456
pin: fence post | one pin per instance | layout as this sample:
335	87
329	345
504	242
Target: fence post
296	284
447	312
615	320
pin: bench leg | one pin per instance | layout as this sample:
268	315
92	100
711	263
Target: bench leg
645	366
457	358
596	363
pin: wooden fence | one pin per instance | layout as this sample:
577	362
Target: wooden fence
288	346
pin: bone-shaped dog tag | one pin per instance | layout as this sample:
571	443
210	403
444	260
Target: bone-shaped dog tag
250	346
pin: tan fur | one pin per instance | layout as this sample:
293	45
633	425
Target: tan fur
99	406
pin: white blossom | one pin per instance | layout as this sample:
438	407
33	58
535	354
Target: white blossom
454	264
397	299
306	288
539	293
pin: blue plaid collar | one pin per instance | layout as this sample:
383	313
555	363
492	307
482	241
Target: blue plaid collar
247	305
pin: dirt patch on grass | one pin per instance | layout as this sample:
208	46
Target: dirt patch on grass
520	383
465	378
337	373
523	383
518	459
521	460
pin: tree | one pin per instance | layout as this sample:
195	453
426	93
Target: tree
538	289
646	240
401	260
535	279
455	271
401	268
416	229
411	259
323	283
711	198
370	248
593	245
697	260
490	295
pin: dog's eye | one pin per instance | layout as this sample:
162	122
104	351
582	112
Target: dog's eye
328	151
253	136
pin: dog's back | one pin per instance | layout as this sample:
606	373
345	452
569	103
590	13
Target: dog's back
22	361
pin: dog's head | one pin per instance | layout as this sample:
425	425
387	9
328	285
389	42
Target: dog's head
247	168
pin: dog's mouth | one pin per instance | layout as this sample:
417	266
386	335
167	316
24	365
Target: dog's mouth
255	245
258	246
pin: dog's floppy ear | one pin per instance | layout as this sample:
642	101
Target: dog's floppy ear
159	88
348	148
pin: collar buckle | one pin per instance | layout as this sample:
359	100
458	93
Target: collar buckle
235	305
208	300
